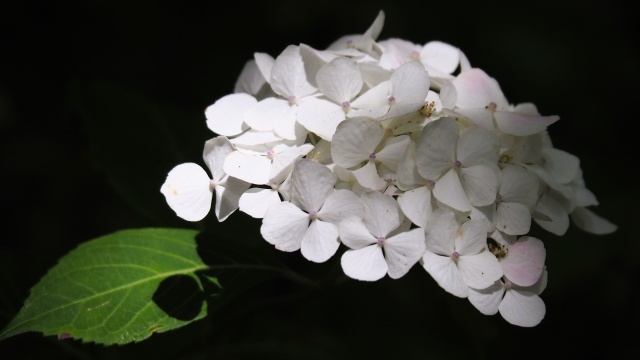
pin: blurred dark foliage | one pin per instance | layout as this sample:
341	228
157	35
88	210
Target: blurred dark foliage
100	99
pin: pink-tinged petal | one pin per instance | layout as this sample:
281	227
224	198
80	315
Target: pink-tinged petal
562	166
441	232
354	233
253	169
320	117
445	272
441	56
339	205
354	141
449	191
477	145
382	213
250	81
524	262
522	124
513	218
256	201
588	221
311	184
368	177
228	196
559	219
436	148
477	90
416	205
472	238
288	77
487	301
225	116
522	308
402	251
410	83
214	154
188	192
481	270
320	241
340	80
480	183
366	264
284	225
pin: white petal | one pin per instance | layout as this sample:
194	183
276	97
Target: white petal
416	205
524	262
513	218
339	205
393	151
479	271
479	116
522	124
288	77
228	196
311	184
368	177
320	117
373	98
265	113
250	80
562	166
256	201
588	221
480	183
449	191
477	145
402	251
354	141
320	241
519	185
254	137
225	116
445	272
487	301
365	264
559	223
410	83
188	192
264	62
354	233
441	56
284	225
340	80
382	213
441	232
253	169
522	308
473	238
436	148
214	154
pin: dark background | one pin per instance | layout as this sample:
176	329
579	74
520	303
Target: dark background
100	99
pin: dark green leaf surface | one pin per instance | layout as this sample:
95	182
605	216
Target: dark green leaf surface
106	290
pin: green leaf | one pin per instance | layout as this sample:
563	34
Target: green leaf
117	289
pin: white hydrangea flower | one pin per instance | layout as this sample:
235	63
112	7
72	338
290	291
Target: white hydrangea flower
373	251
457	256
308	221
189	190
403	153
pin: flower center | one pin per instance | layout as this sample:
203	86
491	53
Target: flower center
293	100
458	163
455	255
381	241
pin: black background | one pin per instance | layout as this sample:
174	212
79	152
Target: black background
79	80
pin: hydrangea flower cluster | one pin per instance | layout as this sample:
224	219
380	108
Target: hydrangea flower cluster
403	153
